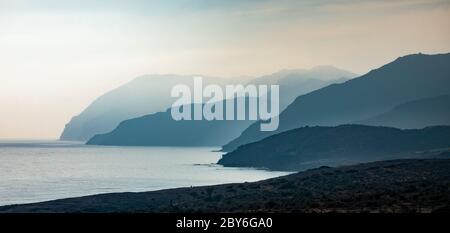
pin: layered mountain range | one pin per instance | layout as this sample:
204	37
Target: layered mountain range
326	119
144	95
368	98
143	107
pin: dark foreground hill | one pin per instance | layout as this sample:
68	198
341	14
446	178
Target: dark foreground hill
387	186
310	147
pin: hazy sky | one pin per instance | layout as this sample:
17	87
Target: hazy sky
57	56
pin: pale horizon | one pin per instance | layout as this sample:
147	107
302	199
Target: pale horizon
58	57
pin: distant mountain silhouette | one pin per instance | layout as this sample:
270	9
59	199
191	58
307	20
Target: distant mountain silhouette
151	94
415	114
294	83
144	95
406	79
309	147
160	129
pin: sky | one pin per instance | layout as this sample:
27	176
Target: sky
58	56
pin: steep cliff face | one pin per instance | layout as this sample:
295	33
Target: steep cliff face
142	96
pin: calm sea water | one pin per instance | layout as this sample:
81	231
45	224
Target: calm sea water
33	171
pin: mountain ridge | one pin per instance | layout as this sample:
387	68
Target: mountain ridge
415	114
159	129
407	78
307	147
143	95
150	94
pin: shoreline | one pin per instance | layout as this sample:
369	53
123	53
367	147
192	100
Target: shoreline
405	185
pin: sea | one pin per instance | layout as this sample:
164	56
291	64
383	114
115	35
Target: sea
41	170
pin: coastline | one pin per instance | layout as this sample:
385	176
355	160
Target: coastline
406	185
